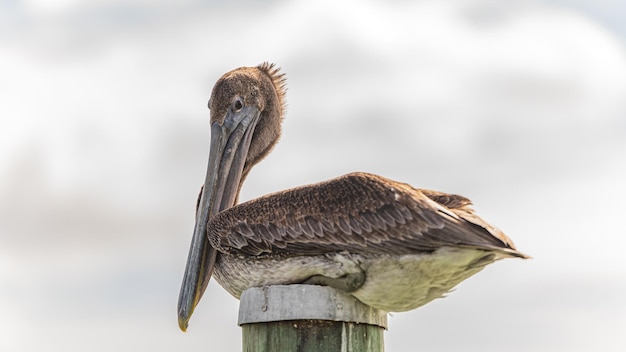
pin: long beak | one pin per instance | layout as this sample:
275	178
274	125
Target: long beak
230	142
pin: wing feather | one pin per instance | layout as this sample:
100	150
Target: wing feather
357	212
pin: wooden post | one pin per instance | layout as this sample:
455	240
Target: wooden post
308	318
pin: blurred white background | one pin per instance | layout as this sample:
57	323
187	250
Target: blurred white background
519	105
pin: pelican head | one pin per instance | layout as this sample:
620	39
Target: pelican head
247	106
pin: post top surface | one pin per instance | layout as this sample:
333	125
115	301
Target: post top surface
304	302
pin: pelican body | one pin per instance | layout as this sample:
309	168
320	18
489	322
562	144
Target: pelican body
392	246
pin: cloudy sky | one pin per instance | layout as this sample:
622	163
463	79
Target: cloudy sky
519	105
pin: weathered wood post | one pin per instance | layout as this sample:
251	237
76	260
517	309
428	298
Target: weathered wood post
308	318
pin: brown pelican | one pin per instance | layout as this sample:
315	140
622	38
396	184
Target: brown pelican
392	246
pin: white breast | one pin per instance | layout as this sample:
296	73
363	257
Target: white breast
401	283
393	283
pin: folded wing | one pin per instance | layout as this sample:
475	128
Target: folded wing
359	213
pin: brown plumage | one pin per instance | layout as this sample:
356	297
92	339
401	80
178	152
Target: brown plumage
358	212
392	246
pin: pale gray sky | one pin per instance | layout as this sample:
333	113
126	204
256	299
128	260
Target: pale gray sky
519	105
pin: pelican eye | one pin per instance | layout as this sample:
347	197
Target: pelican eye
237	104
